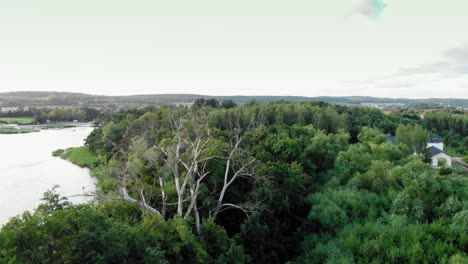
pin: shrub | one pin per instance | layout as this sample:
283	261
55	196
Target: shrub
445	171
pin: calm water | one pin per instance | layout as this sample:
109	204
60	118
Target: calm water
28	169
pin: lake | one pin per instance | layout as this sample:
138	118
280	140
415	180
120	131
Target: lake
28	169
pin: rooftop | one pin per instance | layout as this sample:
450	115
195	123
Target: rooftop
435	140
434	151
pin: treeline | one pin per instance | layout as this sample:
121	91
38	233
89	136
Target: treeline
452	127
67	114
255	183
447	121
59	114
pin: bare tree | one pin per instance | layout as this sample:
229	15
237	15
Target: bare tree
236	167
186	155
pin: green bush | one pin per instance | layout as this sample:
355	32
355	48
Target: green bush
58	153
445	171
110	232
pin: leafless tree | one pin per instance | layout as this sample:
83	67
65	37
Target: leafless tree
186	156
236	167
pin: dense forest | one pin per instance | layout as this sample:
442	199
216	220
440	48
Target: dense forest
302	182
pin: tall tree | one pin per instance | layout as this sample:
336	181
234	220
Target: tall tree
180	163
414	137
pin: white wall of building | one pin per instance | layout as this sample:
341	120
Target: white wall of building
435	159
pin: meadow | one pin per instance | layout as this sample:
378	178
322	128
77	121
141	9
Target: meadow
80	156
17	120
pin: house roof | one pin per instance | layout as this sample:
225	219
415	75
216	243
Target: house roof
434	151
435	140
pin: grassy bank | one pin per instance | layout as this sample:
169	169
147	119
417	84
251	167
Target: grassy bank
16	131
17	120
80	156
83	157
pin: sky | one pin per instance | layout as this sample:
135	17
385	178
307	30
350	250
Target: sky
383	48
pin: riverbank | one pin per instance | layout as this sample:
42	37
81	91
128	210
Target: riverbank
22	129
28	169
83	157
80	156
17	131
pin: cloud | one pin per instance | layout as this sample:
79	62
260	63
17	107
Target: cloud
459	54
455	62
371	8
450	72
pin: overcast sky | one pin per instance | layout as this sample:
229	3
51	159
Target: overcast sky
385	48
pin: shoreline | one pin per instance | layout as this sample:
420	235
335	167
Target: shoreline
24	129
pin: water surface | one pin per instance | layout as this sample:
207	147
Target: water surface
28	169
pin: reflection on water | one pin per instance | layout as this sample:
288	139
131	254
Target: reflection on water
28	169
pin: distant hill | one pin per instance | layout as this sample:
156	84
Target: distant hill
52	99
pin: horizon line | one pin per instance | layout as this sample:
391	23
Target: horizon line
235	95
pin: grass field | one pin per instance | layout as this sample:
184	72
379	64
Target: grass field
80	156
17	120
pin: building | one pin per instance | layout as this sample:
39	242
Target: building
436	142
435	147
439	157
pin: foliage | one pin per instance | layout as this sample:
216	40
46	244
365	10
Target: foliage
58	152
445	170
66	114
228	104
112	232
415	137
452	126
202	102
323	185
